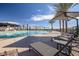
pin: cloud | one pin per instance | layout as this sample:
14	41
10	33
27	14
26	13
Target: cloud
42	17
51	8
38	10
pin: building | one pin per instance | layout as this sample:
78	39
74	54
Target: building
9	26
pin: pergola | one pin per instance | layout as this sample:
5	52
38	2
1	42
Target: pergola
67	16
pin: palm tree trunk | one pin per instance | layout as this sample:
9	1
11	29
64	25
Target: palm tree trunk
62	25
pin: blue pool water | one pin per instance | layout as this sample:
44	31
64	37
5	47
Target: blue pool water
14	34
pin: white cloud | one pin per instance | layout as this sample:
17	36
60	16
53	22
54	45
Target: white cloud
42	17
50	7
38	10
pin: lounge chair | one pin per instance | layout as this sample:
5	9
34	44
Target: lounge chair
43	49
46	50
62	41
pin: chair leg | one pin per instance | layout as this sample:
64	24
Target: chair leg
57	46
30	48
70	48
51	39
17	52
5	53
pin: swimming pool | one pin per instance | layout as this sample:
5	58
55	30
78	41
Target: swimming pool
14	34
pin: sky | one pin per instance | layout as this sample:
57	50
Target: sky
37	14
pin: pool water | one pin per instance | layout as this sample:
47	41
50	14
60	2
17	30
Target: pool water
14	34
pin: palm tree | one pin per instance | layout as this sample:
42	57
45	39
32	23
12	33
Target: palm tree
62	7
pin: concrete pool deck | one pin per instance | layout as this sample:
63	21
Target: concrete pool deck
22	43
6	42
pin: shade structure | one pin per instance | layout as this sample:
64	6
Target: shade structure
64	15
59	16
67	16
73	14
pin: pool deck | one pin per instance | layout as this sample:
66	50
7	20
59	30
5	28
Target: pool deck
22	43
